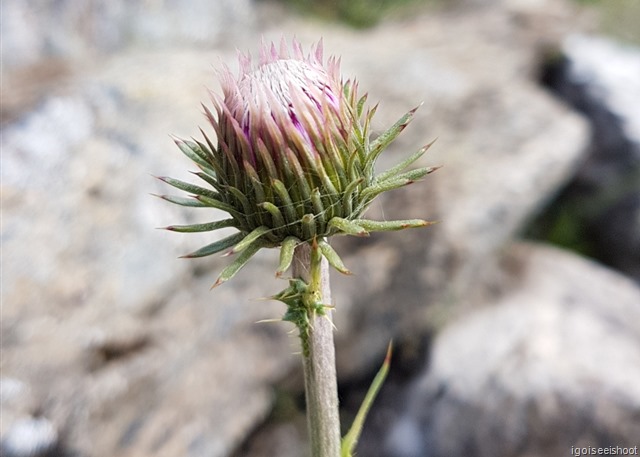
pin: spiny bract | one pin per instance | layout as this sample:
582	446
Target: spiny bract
292	161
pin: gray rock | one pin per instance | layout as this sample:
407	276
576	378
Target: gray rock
130	352
611	175
615	85
29	437
41	29
551	363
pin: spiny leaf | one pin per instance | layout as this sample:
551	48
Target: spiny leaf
242	198
214	157
332	256
250	238
308	226
401	180
216	247
213	203
348	227
244	257
188	151
187	187
373	191
380	143
286	254
411	175
276	214
206	227
209	179
191	153
405	163
360	105
318	207
182	201
387	226
287	203
348	193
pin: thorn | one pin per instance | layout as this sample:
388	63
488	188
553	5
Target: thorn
268	321
387	358
218	282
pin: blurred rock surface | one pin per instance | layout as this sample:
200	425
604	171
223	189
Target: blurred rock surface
123	347
553	362
604	196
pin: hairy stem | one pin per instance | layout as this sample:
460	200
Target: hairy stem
319	356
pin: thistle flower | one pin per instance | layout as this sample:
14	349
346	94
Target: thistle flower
293	160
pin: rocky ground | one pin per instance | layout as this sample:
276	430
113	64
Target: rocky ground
113	346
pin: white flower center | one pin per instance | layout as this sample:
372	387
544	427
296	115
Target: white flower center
279	77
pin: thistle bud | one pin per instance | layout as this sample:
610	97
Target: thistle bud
292	160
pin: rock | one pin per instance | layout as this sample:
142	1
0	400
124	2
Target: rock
32	437
550	363
614	86
44	28
604	196
125	345
44	41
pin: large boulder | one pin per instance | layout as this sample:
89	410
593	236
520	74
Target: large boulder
549	364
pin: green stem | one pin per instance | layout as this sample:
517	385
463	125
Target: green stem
319	355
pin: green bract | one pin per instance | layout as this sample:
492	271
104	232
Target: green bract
292	161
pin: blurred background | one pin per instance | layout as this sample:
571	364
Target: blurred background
516	319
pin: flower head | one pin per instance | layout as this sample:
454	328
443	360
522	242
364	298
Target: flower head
293	160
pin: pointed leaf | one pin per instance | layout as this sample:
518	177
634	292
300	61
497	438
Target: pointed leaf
318	207
380	143
190	152
404	164
351	438
206	227
209	179
182	201
332	256
347	202
348	227
411	175
308	226
250	238
287	204
286	254
387	226
244	257
216	247
187	187
276	214
401	180
213	203
242	198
